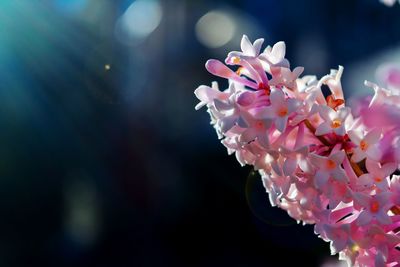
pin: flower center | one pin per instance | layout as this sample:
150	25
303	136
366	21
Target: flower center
236	60
336	123
283	111
259	125
374	207
378	179
363	145
330	164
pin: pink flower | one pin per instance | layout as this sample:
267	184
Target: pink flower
374	207
339	236
366	146
377	175
334	121
316	161
328	167
279	110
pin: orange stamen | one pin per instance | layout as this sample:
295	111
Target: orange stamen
374	207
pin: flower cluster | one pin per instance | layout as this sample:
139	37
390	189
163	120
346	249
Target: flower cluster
322	162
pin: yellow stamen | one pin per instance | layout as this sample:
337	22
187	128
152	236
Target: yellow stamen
330	164
363	145
336	123
236	60
283	111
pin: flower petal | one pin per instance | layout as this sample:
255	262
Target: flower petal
217	68
323	128
373	136
247	46
364	218
321	178
280	123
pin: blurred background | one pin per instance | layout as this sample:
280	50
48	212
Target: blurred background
103	159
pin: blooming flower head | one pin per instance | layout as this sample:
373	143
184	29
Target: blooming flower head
319	160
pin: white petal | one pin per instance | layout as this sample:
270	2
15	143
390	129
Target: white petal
222	105
340	130
343	113
246	46
324	112
298	71
323	128
257	45
373	136
293	105
265	113
358	155
374	153
355	136
278	51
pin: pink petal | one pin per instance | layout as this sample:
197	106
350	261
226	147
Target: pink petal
321	178
217	68
388	168
361	199
364	218
289	166
373	136
248	135
338	157
293	105
280	123
277	98
383	218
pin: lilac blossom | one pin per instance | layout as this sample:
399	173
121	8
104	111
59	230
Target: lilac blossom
321	161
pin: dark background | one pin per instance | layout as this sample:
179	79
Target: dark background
103	159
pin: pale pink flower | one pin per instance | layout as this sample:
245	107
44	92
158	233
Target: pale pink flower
207	94
316	161
328	167
275	56
339	236
279	110
377	175
334	121
374	207
366	145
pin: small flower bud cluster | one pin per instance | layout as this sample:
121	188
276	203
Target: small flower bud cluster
322	162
